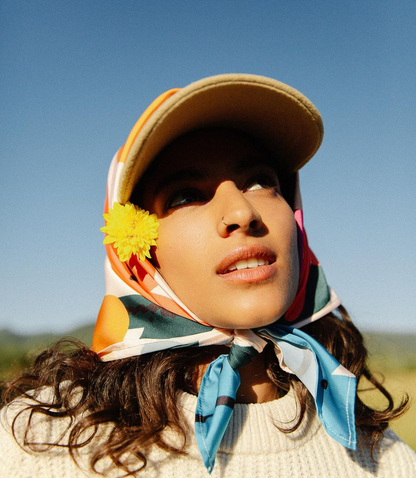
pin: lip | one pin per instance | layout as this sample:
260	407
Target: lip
256	274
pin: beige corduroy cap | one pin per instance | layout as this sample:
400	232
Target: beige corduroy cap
277	115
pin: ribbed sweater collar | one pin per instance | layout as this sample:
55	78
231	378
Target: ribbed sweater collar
253	427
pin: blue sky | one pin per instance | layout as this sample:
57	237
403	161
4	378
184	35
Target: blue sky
75	76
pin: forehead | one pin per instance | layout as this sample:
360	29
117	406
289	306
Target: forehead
209	152
211	144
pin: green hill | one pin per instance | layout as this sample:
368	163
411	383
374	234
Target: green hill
16	350
28	341
391	351
387	351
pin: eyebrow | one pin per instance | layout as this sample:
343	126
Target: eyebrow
189	174
248	162
195	174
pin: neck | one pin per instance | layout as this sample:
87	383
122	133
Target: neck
256	385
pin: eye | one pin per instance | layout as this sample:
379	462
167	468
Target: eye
184	197
264	181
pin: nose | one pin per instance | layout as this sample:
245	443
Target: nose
235	211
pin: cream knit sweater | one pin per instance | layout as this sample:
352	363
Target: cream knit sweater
252	448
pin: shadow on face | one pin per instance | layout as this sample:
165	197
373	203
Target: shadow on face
227	238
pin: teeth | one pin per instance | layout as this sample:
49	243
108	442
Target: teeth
247	264
241	265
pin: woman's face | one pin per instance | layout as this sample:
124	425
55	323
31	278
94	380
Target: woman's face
227	242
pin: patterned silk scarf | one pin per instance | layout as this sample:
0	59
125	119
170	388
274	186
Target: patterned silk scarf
140	314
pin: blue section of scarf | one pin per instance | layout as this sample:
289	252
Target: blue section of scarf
331	385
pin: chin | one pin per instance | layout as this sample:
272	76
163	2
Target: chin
247	321
246	310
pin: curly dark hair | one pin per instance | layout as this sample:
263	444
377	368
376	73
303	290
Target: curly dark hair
138	396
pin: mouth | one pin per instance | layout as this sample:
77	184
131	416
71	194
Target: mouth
248	264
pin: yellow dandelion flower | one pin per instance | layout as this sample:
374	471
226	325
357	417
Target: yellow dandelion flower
131	230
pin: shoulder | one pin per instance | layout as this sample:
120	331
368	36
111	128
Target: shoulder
31	410
391	458
394	456
18	459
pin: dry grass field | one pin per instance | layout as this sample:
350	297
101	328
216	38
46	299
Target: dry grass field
398	382
405	427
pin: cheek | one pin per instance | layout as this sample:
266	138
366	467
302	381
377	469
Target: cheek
179	252
294	252
294	257
283	228
294	272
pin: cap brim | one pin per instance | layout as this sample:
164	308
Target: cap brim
277	115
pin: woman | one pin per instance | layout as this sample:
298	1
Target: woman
217	316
